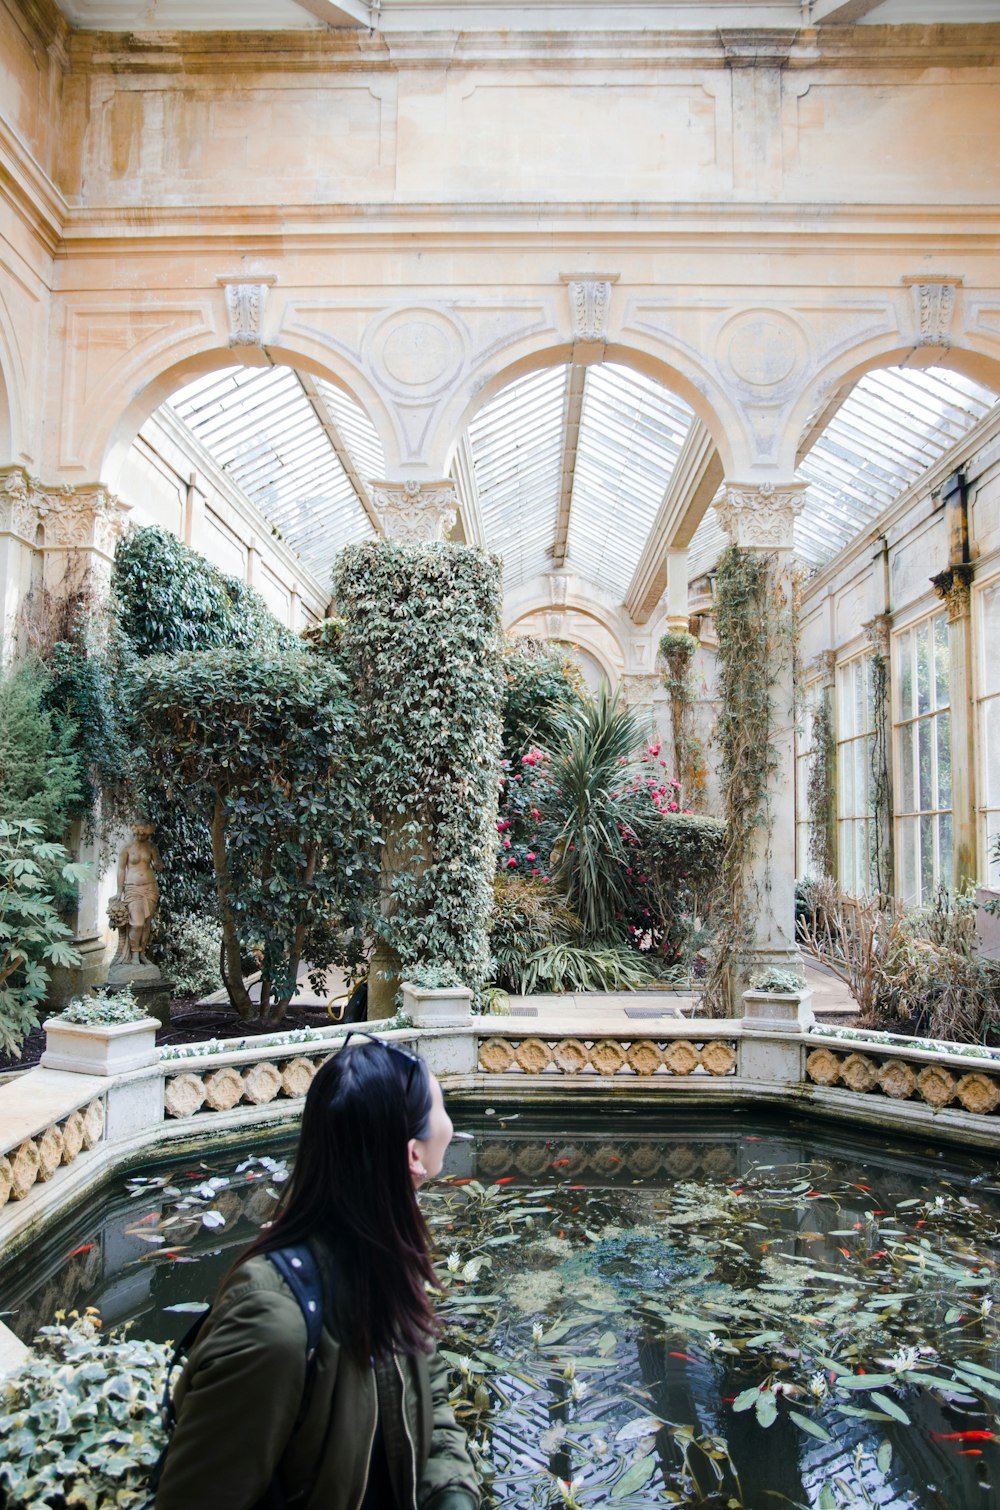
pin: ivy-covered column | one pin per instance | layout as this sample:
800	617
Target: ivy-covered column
422	646
953	587
755	739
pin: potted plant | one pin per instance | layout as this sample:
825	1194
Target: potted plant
778	1001
434	997
103	1033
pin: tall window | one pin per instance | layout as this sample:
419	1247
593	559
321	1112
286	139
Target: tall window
855	807
923	759
988	634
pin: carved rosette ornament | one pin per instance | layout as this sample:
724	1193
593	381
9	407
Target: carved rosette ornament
590	306
761	516
953	587
877	634
416	510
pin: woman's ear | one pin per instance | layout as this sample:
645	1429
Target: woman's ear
416	1163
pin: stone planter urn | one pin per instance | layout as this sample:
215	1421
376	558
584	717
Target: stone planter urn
99	1048
449	1007
778	1011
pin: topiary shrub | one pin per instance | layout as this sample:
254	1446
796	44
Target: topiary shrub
260	747
421	645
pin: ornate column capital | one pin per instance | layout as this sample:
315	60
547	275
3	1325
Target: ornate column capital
416	510
18	514
822	668
877	633
86	517
953	588
761	516
639	689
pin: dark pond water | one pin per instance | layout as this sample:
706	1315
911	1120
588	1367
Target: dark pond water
762	1313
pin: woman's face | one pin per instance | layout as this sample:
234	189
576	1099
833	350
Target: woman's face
426	1154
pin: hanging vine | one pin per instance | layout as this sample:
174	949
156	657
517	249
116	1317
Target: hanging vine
881	781
820	788
677	649
754	623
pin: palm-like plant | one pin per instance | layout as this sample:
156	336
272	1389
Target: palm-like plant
598	780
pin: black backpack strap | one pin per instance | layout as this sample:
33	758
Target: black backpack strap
168	1415
300	1271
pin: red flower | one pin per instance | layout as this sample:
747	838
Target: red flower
529	855
673	807
506	844
511	863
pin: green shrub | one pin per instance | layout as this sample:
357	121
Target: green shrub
527	916
80	1420
40	773
541	684
434	977
422	647
186	946
104	1009
260	747
570	967
773	979
32	934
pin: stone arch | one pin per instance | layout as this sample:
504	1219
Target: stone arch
671	367
134	395
12	378
586	616
981	363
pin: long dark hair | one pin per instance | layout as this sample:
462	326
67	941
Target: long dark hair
351	1193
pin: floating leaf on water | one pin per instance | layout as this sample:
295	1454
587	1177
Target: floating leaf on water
212	1219
635	1477
827	1498
865	1381
607	1343
766	1408
634	1431
747	1398
812	1427
890	1407
883	1457
977	1368
189	1305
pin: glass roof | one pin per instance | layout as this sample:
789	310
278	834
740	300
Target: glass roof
571	465
264	431
894	424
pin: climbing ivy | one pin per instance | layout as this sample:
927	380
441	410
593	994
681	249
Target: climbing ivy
422	647
881	783
820	788
677	649
755	635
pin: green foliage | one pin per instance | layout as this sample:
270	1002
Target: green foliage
527	916
104	1009
80	1419
679	859
881	786
170	599
259	746
755	631
542	683
422	648
32	934
785	982
186	946
820	788
326	635
433	977
563	967
39	771
678	649
597	778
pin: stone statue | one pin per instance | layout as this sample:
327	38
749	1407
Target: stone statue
132	908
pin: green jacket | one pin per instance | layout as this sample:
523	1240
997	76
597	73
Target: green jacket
240	1392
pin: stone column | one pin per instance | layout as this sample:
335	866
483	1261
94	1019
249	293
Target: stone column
761	517
877	633
677	590
65	539
952	586
20	556
416	511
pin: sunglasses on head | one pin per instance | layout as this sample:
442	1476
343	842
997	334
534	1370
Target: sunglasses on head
412	1060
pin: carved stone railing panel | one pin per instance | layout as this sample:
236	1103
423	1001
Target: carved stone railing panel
880	1074
607	1058
36	1159
207	1089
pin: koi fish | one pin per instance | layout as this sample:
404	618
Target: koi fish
83	1248
687	1359
507	1179
963	1436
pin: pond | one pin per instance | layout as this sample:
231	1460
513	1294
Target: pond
756	1313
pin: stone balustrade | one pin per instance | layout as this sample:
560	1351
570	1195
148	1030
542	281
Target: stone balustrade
34	1160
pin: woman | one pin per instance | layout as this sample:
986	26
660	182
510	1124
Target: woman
377	1431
